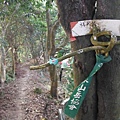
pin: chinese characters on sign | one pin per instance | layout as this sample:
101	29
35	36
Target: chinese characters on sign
81	28
76	100
80	92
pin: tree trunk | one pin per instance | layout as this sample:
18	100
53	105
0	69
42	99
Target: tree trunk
70	11
3	65
108	78
105	104
14	60
0	65
53	78
51	51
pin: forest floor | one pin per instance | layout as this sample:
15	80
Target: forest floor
19	101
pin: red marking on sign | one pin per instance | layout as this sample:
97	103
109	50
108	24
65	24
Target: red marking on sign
72	38
72	24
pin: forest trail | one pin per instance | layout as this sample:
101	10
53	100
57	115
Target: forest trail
18	101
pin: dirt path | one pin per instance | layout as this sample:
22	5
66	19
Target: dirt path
19	102
23	88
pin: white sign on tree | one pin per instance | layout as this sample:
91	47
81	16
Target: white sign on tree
81	28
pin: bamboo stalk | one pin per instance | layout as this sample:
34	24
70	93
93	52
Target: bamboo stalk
80	51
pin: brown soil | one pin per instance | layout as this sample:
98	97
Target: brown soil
18	101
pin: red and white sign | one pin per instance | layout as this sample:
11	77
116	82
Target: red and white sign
81	28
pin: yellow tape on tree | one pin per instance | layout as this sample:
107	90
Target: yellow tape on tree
108	45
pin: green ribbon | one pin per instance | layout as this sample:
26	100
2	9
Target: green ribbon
78	95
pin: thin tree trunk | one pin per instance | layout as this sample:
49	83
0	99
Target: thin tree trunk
0	64
53	78
3	65
51	51
14	60
108	78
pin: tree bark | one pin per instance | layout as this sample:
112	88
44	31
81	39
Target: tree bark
14	60
76	10
0	65
105	104
108	78
54	83
51	51
3	65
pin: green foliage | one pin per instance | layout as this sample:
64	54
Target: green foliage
9	77
60	53
69	86
48	4
24	23
37	91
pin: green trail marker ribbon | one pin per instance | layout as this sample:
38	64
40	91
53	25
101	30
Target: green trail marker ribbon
78	95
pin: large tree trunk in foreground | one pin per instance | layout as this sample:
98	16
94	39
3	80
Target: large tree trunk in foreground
73	11
108	78
102	100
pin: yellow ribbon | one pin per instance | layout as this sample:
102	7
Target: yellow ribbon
108	45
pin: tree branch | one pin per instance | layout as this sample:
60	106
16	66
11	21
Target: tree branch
80	51
52	37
